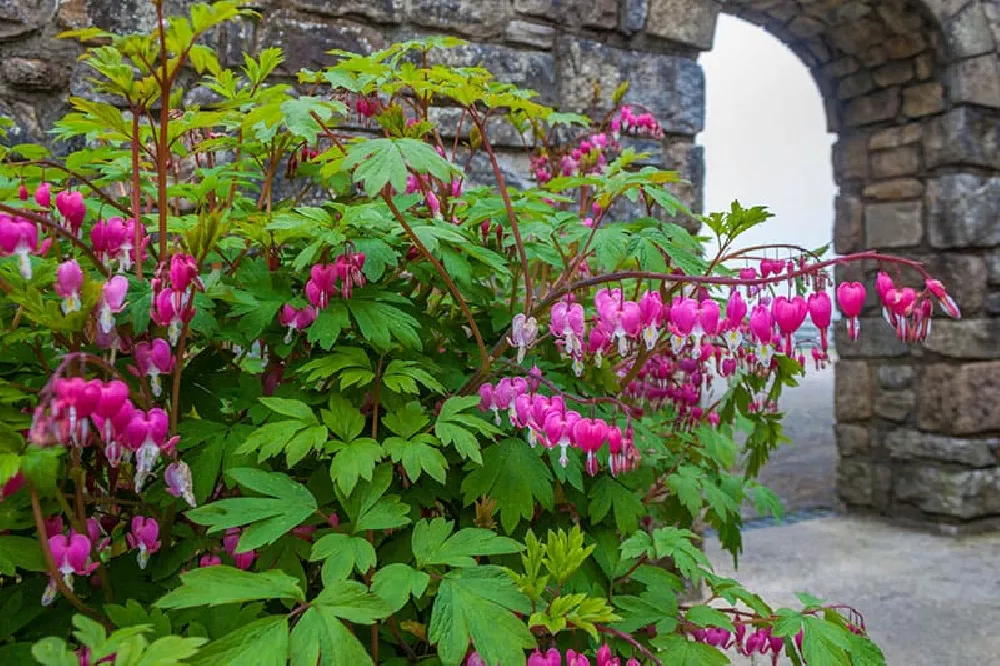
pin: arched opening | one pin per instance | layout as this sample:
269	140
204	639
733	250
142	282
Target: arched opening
766	143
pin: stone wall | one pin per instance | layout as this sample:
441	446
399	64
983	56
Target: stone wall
912	88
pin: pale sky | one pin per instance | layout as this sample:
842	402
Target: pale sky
765	137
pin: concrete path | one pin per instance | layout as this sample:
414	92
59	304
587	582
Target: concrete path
928	600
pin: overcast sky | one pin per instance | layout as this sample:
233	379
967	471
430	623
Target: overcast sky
765	138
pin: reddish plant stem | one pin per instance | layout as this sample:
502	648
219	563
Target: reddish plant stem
53	569
136	195
511	217
631	641
483	353
162	146
175	391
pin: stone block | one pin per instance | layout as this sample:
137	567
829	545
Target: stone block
852	440
534	70
382	11
602	14
671	87
895	224
894	137
32	74
855	482
898	189
934	403
993	268
961	211
515	167
499	130
967	33
850	159
305	40
975	81
963	275
963	494
848	232
853	392
687	22
905	46
474	18
899	17
914	445
963	136
26	128
893	73
895	376
855	85
877	340
977	339
530	34
895	406
895	162
839	68
632	18
924	99
960	400
877	107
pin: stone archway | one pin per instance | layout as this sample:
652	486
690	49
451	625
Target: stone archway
912	88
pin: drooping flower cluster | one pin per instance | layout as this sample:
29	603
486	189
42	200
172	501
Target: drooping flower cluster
173	295
114	241
551	424
553	657
19	237
643	124
340	277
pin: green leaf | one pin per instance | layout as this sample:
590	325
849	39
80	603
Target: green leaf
476	604
514	475
170	650
609	493
418	456
53	651
403	377
388	513
261	643
678	545
341	554
22	553
824	643
329	324
380	161
380	323
686	484
677	650
286	505
218	585
455	428
320	638
396	583
355	461
407	421
304	442
434	543
351	601
293	408
271	438
706	616
343	419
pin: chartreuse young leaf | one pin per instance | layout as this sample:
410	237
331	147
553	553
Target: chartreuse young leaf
263	642
434	543
677	650
285	506
458	429
319	637
341	554
565	553
397	582
514	476
478	603
218	585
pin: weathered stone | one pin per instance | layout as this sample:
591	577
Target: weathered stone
960	400
924	66
818	48
632	18
857	37
895	162
896	224
965	338
963	275
895	405
25	128
895	190
893	73
961	211
855	85
992	303
959	494
31	74
383	11
840	67
993	268
305	42
515	167
853	391
924	99
877	340
131	16
873	108
895	376
71	15
850	159
586	13
528	69
531	34
913	444
500	131
905	46
975	81
899	18
804	26
855	482
873	57
968	33
475	18
962	136
848	232
582	63
852	440
696	28
894	137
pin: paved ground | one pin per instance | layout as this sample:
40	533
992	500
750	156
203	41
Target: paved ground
928	600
